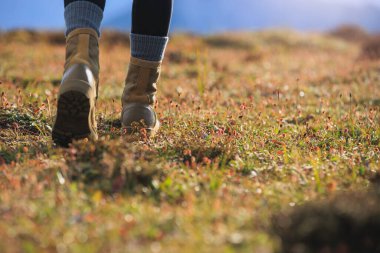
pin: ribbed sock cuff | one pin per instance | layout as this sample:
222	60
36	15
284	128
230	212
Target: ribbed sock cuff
83	14
147	47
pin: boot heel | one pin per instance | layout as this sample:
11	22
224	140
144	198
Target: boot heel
73	118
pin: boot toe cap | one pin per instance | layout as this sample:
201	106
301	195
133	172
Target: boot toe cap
136	115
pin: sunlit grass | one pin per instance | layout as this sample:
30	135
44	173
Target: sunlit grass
252	125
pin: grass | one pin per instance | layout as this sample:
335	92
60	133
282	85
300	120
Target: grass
253	125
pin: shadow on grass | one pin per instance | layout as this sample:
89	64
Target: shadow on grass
348	223
223	41
370	102
24	82
24	122
112	167
107	124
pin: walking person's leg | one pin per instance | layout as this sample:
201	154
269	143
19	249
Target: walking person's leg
79	87
149	37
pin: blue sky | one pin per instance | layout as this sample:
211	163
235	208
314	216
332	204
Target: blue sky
48	14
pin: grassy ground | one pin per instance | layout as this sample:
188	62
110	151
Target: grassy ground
252	125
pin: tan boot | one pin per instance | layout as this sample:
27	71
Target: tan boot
139	97
79	88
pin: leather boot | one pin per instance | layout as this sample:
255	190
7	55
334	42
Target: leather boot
139	97
78	91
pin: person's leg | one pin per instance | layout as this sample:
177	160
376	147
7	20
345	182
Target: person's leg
83	14
150	27
151	17
149	37
100	3
75	117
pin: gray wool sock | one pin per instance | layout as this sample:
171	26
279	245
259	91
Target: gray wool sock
147	47
83	14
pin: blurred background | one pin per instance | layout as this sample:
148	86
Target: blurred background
210	16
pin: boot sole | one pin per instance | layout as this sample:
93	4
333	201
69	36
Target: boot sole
73	118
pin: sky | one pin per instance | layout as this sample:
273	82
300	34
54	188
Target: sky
45	14
353	2
48	14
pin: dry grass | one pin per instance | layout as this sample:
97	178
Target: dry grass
252	126
371	48
350	33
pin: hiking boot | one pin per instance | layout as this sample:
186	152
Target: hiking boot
78	91
139	97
